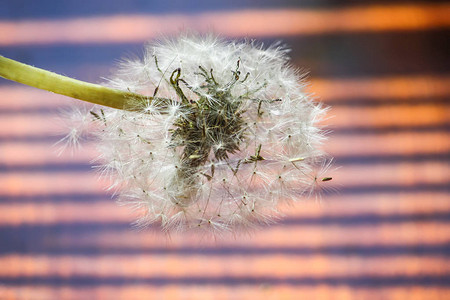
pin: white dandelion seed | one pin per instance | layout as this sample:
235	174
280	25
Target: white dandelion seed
75	119
229	134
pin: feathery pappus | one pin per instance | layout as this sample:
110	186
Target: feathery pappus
228	134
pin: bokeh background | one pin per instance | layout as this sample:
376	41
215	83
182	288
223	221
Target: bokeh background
383	66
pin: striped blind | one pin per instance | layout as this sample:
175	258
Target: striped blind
385	233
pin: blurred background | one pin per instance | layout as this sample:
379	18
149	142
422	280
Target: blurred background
383	66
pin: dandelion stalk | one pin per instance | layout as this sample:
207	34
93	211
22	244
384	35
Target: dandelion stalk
63	85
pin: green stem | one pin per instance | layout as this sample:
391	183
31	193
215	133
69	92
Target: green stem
45	80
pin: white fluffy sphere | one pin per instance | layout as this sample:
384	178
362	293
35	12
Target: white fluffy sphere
229	135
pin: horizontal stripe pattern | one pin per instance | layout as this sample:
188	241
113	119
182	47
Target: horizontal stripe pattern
405	175
215	291
337	208
260	23
192	266
382	232
405	116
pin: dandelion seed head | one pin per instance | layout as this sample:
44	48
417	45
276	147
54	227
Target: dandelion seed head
229	134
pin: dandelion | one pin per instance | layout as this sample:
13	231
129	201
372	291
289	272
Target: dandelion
226	134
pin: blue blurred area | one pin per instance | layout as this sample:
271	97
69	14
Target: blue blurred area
20	9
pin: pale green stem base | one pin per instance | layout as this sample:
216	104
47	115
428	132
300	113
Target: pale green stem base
45	80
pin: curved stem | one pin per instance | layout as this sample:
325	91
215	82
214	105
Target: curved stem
59	84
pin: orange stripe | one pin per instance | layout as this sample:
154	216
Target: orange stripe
262	23
408	174
24	124
404	174
381	88
45	213
410	143
393	88
41	154
42	183
334	206
328	90
173	266
23	97
223	292
400	115
389	115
